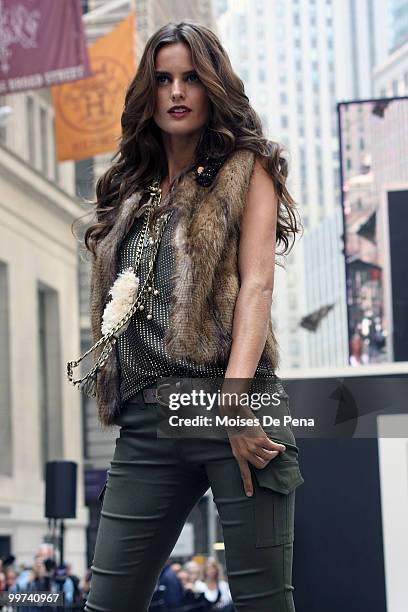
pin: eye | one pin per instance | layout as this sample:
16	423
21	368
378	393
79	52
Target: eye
194	76
161	76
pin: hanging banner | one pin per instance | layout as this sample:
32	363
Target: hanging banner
42	43
88	112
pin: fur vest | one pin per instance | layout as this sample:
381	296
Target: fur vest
206	276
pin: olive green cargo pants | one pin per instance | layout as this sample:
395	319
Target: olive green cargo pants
152	486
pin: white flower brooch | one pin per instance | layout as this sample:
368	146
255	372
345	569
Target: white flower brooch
124	293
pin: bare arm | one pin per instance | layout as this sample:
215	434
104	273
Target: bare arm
256	260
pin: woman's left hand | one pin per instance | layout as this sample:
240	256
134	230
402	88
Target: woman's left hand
250	443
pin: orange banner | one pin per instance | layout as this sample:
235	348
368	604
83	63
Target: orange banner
88	111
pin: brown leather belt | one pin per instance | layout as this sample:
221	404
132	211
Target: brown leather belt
157	394
165	386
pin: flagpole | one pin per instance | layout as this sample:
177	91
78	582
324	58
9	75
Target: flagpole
109	6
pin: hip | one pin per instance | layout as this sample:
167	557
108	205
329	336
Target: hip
150	413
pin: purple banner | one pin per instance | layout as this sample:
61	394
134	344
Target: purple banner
42	43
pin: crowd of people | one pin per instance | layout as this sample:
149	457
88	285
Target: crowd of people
44	574
187	587
192	587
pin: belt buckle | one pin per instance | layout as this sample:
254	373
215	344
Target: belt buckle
166	385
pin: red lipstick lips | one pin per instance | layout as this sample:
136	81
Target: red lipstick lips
179	111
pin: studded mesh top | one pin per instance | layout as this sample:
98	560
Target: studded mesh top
140	348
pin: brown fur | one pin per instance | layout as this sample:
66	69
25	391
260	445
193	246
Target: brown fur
206	277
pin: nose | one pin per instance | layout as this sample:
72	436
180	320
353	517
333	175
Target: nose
177	90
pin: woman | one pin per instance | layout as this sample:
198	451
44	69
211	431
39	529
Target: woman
215	589
190	206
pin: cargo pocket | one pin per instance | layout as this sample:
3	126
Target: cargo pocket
274	501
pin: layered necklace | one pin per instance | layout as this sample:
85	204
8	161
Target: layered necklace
127	295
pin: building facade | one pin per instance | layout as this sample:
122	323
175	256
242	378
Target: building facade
40	415
297	59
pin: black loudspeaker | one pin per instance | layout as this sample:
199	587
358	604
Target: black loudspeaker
60	489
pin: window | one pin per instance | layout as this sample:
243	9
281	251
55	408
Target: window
264	121
44	140
260	31
284	121
320	176
263	97
30	130
84	178
294	347
321	198
49	373
242	25
245	75
261	55
280	8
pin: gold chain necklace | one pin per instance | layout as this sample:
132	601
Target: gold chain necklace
124	290
149	289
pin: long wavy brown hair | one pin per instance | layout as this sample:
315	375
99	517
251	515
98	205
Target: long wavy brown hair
233	124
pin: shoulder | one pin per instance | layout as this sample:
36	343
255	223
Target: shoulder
262	185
